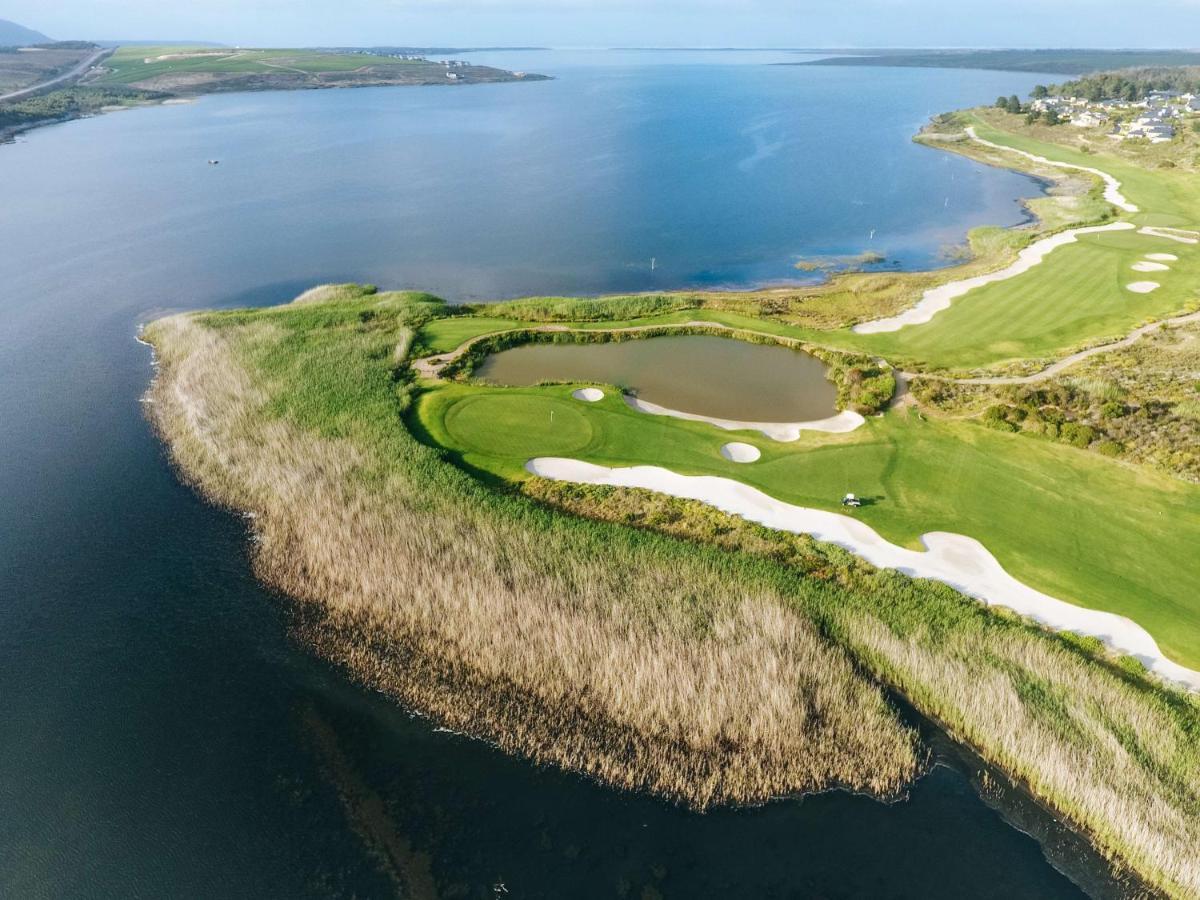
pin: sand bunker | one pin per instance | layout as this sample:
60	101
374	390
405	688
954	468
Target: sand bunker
1162	257
1147	266
741	453
1143	287
953	559
1181	235
776	431
1112	187
937	299
588	395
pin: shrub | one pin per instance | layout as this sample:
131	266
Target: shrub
1110	448
1113	409
1001	417
1075	434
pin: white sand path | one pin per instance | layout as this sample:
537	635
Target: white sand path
938	299
1142	287
956	560
778	431
1112	187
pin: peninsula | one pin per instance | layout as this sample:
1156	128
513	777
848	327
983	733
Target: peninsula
86	79
994	521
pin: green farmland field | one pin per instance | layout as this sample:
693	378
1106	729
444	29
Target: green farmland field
134	64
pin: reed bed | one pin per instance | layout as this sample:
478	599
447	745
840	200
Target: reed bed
696	656
569	645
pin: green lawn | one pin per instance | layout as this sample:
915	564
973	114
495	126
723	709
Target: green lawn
129	64
443	335
1067	522
1076	295
1164	197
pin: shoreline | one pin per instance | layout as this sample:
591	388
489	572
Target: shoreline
9	134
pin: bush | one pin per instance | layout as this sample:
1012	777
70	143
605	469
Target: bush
1076	435
1110	448
1001	417
1113	409
1131	665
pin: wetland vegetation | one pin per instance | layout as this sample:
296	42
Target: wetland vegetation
657	644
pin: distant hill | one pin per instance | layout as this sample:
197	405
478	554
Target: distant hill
14	35
1059	61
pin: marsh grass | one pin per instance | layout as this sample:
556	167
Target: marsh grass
695	656
623	655
1094	740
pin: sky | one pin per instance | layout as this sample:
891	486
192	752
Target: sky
606	23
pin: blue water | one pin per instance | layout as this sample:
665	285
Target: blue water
161	733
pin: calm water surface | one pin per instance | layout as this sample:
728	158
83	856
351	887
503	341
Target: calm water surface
161	735
711	376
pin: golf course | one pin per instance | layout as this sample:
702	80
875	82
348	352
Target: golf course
713	607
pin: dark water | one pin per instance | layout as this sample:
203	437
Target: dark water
160	733
711	376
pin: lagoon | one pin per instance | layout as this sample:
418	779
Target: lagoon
163	733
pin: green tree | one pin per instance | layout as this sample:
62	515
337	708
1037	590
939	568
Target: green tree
1039	91
1002	103
1014	104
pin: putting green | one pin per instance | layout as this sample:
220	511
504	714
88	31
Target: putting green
518	425
1065	521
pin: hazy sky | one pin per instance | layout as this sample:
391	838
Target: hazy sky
774	23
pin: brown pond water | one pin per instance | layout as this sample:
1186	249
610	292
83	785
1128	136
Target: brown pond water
709	376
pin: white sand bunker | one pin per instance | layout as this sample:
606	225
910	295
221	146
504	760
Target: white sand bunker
741	453
939	298
1162	257
1147	266
845	421
1112	187
1143	287
953	559
588	395
1181	235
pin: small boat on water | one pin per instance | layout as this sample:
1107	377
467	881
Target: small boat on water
214	162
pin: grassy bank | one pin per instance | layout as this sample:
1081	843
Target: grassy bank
717	662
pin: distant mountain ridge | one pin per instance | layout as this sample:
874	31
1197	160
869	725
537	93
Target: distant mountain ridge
14	35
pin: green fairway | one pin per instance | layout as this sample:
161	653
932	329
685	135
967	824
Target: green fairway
1163	197
1078	294
443	335
1070	523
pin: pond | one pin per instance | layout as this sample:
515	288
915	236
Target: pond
702	374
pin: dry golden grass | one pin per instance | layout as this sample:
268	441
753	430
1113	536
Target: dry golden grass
549	642
702	674
1103	751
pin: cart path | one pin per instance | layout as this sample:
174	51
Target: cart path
1067	361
